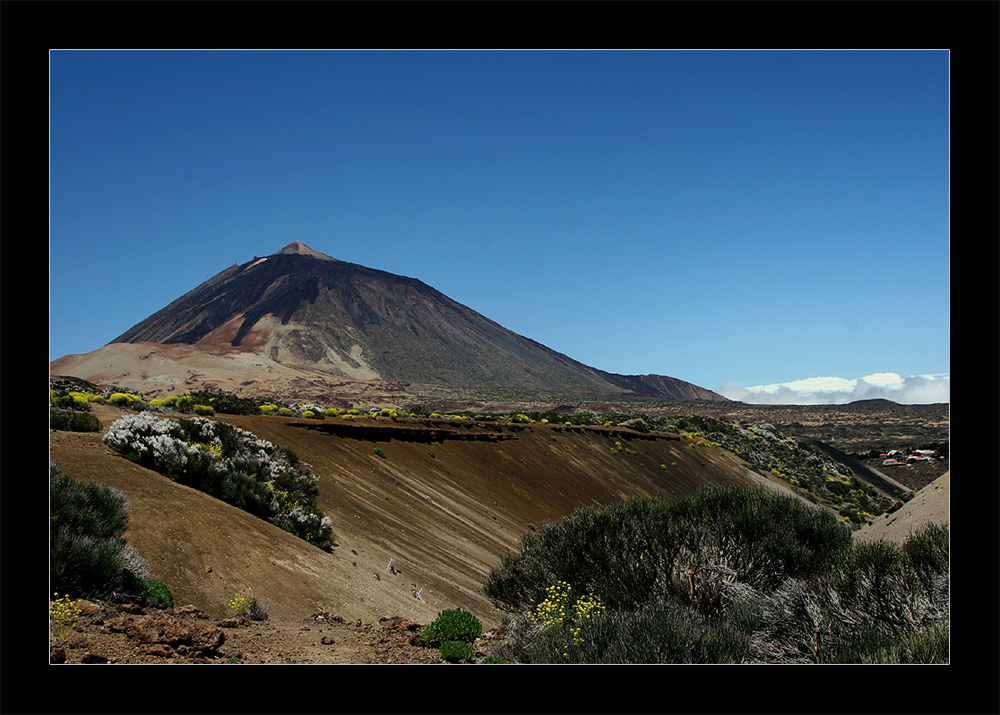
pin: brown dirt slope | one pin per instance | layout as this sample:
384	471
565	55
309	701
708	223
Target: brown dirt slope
932	504
417	531
447	502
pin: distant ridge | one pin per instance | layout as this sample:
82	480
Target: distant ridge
301	316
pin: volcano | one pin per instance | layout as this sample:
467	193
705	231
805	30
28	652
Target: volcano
300	321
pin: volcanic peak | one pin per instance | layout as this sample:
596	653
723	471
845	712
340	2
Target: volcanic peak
329	321
301	249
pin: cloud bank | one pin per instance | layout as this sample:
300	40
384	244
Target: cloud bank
911	390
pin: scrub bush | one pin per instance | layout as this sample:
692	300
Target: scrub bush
452	625
226	403
88	555
661	634
724	574
635	552
126	400
248	606
232	465
73	421
454	651
72	399
157	594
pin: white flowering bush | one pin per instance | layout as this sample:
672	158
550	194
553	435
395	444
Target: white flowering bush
230	464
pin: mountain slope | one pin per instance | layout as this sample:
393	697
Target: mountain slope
301	310
447	502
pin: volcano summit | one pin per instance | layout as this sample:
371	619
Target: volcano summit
301	324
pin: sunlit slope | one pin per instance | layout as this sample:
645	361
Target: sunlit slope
416	531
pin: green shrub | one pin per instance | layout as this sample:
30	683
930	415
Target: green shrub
927	551
156	593
665	634
73	421
87	537
379	452
454	651
722	575
226	403
452	625
701	549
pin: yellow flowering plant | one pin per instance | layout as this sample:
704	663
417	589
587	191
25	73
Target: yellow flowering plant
63	615
241	604
558	609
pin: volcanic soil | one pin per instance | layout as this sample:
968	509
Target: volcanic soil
416	532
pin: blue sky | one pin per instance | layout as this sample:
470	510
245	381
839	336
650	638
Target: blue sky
739	218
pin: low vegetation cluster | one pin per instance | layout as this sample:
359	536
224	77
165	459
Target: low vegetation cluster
88	555
724	575
230	464
805	468
453	632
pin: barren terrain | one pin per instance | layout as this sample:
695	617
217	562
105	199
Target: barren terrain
417	532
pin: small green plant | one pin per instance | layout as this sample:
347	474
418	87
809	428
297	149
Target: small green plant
452	625
454	651
63	615
379	452
157	593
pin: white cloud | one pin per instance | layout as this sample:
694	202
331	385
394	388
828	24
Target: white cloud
910	390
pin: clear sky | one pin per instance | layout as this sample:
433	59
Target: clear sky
741	219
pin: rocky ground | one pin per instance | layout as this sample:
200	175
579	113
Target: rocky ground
128	634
